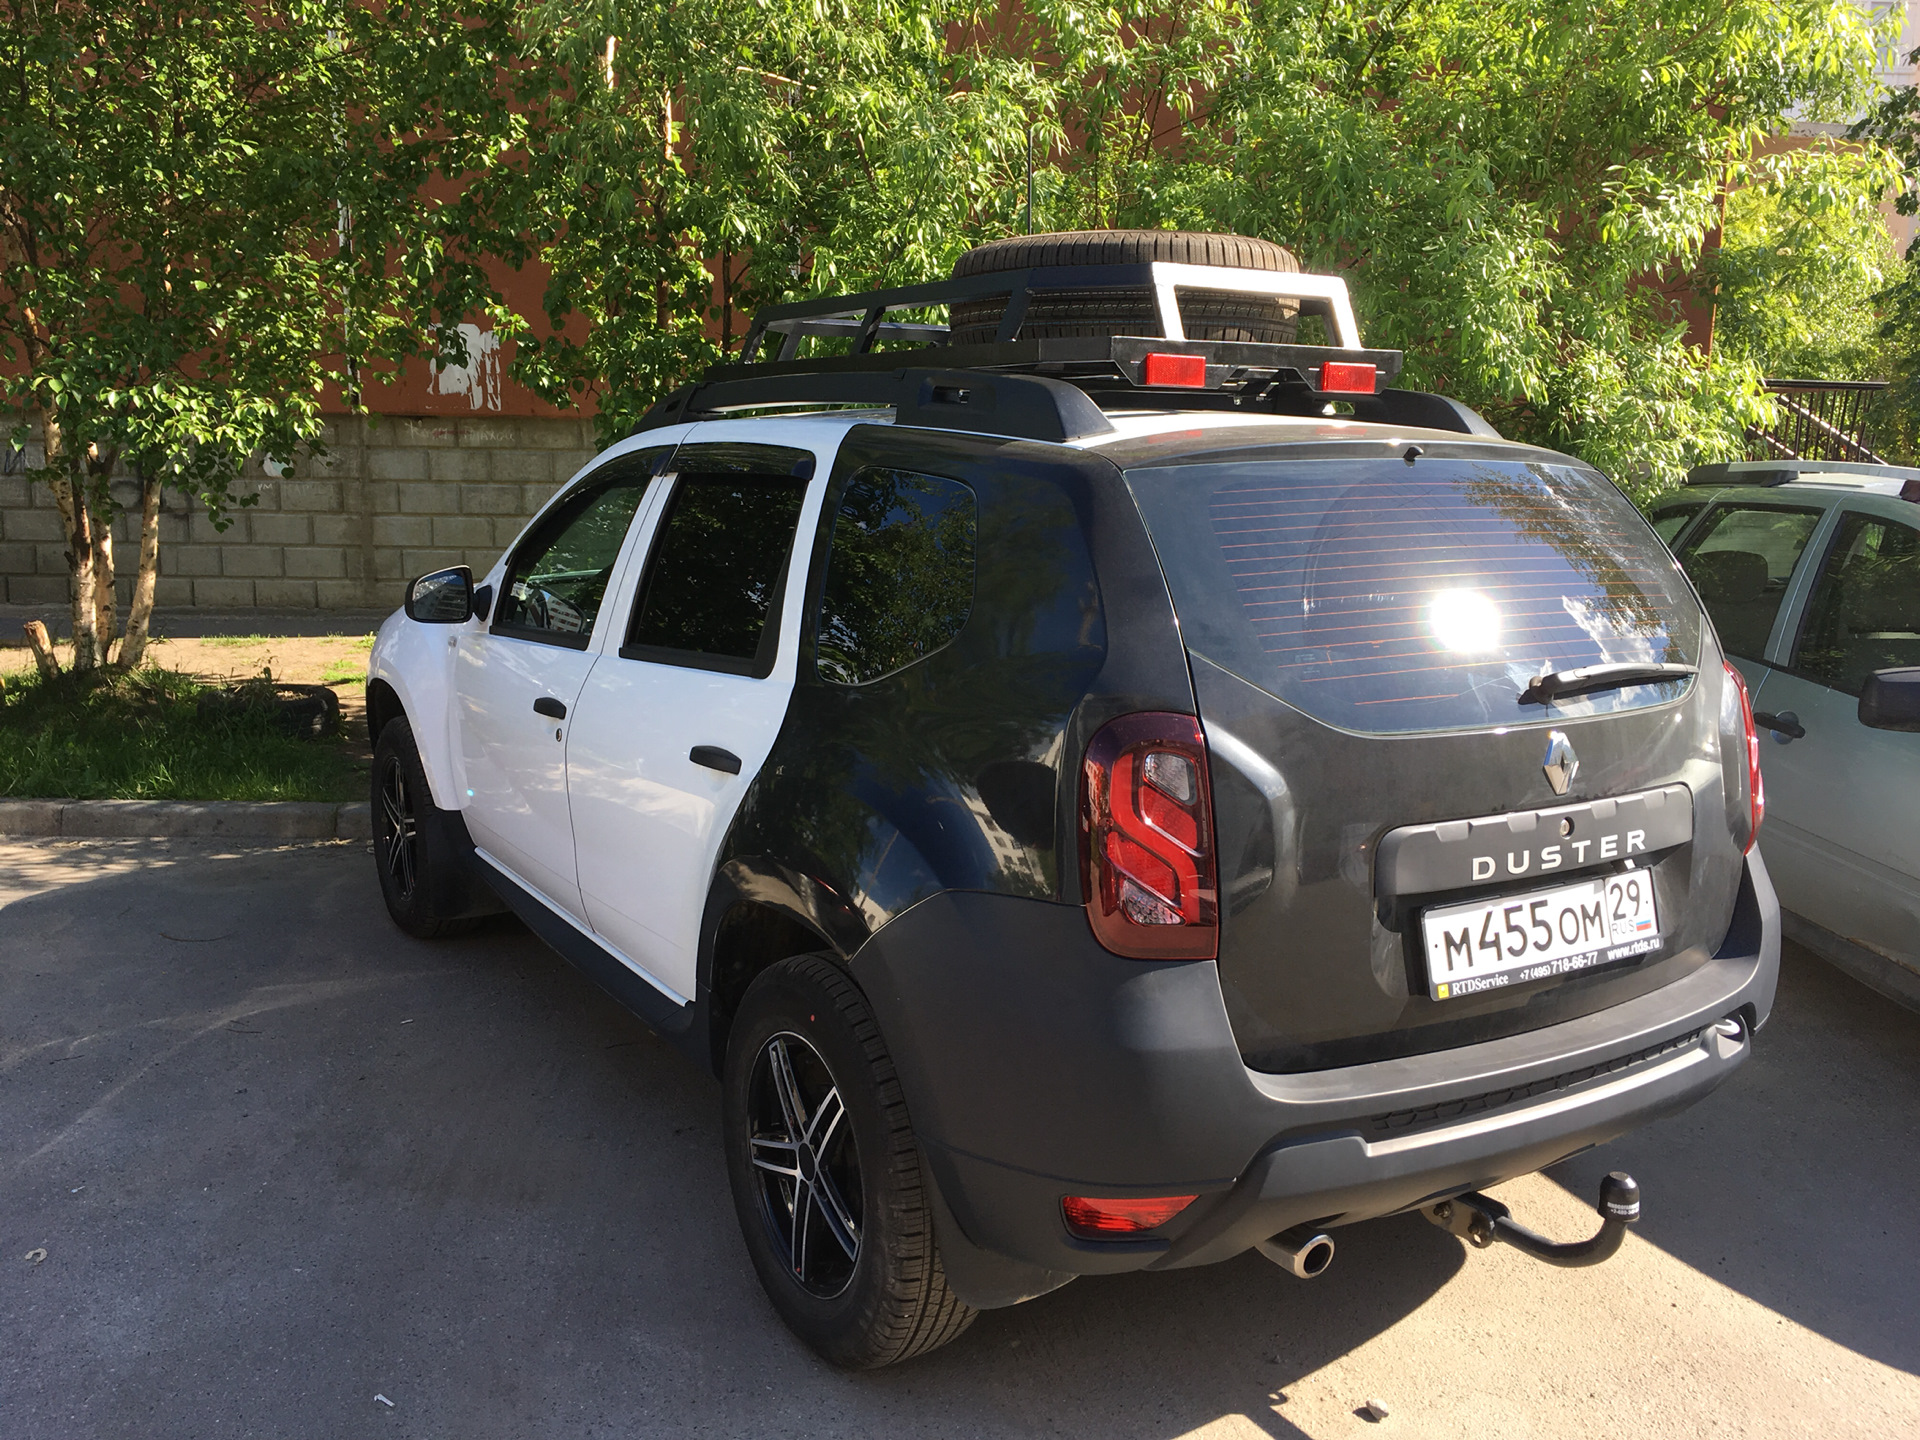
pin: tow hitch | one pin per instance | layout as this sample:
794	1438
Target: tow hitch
1480	1220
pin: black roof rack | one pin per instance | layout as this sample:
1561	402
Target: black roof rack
1053	388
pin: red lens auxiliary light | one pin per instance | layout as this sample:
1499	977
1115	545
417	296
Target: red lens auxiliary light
1161	368
1343	377
1146	839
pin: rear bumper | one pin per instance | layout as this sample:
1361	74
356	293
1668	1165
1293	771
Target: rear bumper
1037	1065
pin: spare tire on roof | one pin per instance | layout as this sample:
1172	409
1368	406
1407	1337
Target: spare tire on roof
1127	310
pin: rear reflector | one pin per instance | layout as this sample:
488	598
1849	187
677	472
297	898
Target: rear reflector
1146	839
1106	1217
1346	378
1163	369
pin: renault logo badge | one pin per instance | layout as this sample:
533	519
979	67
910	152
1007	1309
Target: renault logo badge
1561	763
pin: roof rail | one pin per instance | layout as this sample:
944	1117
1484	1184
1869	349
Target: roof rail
1784	472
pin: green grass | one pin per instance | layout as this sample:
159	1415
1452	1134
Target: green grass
141	736
352	669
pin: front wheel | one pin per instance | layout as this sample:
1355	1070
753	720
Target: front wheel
827	1179
422	873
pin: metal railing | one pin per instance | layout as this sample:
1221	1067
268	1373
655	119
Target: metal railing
1817	420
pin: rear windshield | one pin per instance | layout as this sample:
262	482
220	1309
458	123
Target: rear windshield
1388	597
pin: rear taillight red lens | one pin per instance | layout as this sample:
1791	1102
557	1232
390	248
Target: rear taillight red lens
1146	839
1105	1217
1756	792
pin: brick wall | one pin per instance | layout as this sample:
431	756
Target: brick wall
391	498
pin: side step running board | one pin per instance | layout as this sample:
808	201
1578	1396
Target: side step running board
1481	1220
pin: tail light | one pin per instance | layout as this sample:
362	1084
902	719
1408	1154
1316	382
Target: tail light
1105	1218
1756	792
1146	839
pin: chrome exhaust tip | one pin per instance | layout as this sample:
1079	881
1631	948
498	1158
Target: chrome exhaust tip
1304	1252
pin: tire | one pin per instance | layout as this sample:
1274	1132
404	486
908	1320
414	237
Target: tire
1052	314
425	875
806	1063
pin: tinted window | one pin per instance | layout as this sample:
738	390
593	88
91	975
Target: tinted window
1670	520
1865	612
558	577
899	574
1387	597
718	562
1741	560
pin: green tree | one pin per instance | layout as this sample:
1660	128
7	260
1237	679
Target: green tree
211	212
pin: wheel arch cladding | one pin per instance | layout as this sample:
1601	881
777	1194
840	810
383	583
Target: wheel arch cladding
383	705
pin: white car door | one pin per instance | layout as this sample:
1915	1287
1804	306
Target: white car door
1841	837
515	681
678	717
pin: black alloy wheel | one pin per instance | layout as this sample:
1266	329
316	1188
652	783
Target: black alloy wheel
425	877
806	1165
834	1202
396	831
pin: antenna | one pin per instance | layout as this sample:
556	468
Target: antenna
1029	179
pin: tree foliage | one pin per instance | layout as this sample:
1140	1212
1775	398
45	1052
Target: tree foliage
212	211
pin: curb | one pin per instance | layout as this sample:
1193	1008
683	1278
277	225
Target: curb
200	819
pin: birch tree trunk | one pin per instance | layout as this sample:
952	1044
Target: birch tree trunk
105	601
76	522
133	646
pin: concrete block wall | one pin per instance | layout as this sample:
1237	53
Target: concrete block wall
391	498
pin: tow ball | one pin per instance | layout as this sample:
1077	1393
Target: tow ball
1480	1221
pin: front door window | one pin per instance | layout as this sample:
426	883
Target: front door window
1740	561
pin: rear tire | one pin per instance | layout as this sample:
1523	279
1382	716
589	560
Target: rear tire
424	872
827	1179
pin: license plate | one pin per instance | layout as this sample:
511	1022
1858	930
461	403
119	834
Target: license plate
1514	939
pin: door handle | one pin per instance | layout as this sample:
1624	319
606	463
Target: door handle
1785	726
714	758
550	707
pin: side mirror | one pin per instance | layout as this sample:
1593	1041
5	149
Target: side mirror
443	598
1891	700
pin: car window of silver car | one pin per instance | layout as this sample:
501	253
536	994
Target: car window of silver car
1865	611
1740	559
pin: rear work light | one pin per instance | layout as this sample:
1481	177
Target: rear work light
1343	377
1105	1218
1146	839
1756	792
1163	369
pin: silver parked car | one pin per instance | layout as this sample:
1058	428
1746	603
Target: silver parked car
1811	572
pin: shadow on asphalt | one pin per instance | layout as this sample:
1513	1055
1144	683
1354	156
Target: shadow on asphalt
1787	1184
282	1159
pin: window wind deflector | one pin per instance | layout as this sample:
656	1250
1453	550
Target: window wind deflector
1551	685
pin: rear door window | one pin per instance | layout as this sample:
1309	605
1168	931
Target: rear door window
1388	598
711	594
1670	519
1741	559
1865	612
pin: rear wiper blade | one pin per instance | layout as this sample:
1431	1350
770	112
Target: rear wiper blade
1551	685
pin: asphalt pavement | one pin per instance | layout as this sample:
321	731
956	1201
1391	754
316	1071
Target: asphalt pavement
264	1161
